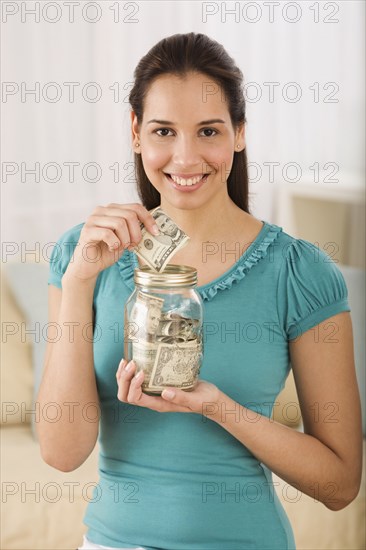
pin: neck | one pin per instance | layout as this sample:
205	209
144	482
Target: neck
212	221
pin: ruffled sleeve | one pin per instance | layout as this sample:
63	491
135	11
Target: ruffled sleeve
126	265
62	253
311	288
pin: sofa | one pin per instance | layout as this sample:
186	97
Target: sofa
43	508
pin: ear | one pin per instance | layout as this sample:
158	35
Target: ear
240	137
134	131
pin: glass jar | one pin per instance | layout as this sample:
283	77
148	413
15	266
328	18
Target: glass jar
163	328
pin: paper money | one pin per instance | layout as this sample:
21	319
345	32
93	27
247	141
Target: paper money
157	250
144	355
176	365
179	327
145	316
165	345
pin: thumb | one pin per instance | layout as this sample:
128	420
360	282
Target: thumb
169	394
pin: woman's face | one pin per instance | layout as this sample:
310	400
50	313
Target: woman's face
186	132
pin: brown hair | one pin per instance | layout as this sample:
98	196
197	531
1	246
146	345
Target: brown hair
180	54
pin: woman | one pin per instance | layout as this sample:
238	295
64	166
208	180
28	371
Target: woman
201	479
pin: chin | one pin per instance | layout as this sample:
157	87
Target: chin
186	204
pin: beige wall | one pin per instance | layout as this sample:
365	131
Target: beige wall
337	228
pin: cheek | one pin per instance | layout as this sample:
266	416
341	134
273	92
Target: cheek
222	156
154	158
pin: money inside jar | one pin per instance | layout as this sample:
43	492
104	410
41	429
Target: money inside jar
164	316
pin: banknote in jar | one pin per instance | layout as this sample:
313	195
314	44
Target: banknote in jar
175	365
145	317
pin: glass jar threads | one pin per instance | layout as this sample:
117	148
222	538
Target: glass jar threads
163	328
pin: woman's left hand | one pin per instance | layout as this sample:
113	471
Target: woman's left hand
197	401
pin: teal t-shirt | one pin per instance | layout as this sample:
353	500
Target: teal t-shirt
179	481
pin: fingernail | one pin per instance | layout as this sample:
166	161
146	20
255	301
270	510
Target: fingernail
139	374
168	394
155	230
129	365
121	364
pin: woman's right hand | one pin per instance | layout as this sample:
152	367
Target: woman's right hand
105	235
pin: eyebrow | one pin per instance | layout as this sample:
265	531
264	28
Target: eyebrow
211	121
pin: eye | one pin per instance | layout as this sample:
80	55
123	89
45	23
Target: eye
209	130
162	130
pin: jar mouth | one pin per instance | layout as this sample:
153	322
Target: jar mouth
174	275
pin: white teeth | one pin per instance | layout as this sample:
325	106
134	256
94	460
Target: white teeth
184	181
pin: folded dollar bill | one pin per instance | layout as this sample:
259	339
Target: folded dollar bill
157	250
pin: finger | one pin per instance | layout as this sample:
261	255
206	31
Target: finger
119	225
137	397
135	391
159	405
144	216
124	380
178	397
93	235
121	366
134	214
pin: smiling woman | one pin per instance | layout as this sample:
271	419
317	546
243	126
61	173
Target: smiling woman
184	68
187	164
198	475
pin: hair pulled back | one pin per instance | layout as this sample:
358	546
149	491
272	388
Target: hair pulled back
179	55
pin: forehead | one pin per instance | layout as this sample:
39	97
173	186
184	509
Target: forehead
170	96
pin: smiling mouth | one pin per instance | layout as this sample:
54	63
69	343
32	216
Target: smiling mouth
187	182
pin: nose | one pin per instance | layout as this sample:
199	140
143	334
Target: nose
186	154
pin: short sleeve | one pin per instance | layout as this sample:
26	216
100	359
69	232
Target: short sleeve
311	288
62	253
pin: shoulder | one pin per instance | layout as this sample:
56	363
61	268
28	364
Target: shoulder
71	235
62	253
65	245
301	256
311	287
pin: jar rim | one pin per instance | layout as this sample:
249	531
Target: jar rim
174	275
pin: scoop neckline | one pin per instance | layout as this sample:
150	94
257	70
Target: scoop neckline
241	258
228	272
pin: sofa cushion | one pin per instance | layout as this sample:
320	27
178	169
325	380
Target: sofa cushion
28	283
44	507
16	361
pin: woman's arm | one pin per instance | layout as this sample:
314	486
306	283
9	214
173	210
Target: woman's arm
325	462
69	381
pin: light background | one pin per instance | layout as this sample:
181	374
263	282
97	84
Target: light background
324	48
330	130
